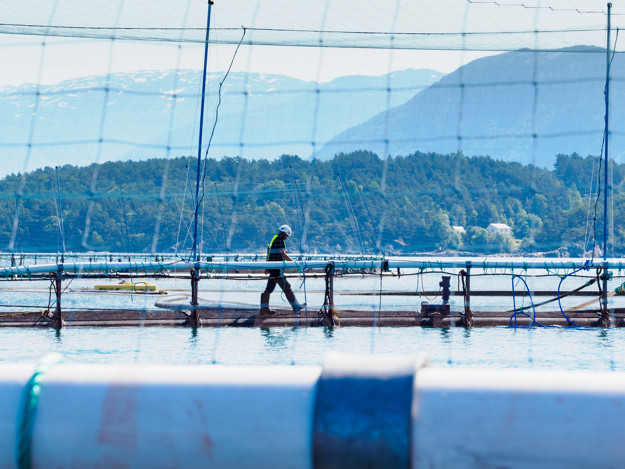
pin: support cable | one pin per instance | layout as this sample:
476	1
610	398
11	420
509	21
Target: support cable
61	231
199	199
352	214
295	202
373	224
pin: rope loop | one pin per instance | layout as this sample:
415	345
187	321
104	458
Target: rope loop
28	410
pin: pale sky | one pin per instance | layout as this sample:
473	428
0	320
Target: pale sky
27	60
392	35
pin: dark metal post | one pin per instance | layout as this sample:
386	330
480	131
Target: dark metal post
331	290
194	321
330	317
445	283
605	313
468	315
57	320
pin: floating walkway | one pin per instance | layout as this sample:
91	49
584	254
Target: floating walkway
232	317
190	311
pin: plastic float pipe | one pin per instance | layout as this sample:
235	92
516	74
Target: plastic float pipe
12	380
163	416
518	419
79	268
354	411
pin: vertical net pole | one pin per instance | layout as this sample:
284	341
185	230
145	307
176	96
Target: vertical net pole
199	146
605	319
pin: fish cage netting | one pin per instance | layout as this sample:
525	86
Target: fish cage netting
451	173
389	24
372	129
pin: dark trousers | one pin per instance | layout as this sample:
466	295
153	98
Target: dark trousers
272	281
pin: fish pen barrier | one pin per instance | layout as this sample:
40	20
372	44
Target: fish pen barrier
439	305
352	412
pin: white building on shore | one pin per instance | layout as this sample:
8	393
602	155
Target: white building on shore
499	228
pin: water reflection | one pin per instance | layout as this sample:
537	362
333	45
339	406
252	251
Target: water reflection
546	348
193	339
446	334
275	339
606	340
604	337
58	336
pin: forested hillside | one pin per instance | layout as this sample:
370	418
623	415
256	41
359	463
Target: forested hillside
353	203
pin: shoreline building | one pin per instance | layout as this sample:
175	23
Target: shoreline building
499	228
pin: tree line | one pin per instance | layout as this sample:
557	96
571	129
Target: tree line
354	203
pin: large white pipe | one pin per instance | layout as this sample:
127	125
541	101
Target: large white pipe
165	416
13	377
518	419
139	416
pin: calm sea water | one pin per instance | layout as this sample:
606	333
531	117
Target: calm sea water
565	349
550	348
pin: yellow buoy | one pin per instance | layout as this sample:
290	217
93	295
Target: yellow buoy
127	286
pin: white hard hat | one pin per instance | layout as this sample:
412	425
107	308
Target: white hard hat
285	229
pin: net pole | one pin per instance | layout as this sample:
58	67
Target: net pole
607	136
604	294
199	147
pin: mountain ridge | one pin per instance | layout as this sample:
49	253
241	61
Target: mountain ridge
520	106
138	115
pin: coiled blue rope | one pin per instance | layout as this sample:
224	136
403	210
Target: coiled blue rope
28	410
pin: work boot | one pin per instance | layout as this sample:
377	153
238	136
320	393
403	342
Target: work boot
297	307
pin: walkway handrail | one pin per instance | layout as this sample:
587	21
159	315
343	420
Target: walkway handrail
80	268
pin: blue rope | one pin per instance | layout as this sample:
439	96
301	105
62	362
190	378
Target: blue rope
587	266
305	298
533	318
28	410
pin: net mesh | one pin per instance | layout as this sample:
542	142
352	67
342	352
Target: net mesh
372	128
389	24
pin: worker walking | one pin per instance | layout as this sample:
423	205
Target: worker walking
277	252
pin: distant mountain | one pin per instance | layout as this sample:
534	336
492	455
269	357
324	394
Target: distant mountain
140	115
518	106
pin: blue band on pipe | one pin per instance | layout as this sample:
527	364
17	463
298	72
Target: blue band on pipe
363	414
28	410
